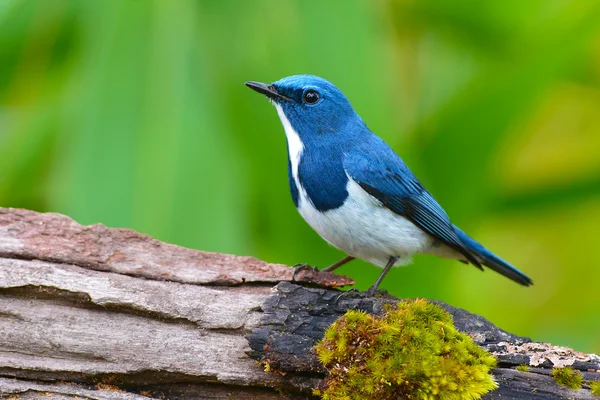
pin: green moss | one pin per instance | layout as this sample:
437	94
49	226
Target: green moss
595	388
523	368
567	377
412	352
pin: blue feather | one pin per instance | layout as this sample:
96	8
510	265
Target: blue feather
293	187
492	261
330	144
382	174
313	166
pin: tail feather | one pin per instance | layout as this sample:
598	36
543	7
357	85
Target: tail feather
492	261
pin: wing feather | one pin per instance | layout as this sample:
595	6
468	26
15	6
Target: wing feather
389	180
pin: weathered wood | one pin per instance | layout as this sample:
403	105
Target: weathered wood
54	237
93	312
295	319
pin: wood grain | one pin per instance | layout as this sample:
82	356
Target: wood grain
99	313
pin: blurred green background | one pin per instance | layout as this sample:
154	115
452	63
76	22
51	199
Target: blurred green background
134	114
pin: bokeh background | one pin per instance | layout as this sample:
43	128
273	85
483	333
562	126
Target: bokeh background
134	114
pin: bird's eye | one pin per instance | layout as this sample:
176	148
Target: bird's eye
311	96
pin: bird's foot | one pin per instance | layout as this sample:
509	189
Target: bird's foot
302	267
348	293
373	291
354	293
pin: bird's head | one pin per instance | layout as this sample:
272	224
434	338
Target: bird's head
312	105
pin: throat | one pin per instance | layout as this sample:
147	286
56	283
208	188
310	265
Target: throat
294	144
295	149
316	174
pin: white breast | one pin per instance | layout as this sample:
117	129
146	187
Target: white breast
361	227
364	228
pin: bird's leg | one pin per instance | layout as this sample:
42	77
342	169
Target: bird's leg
373	289
338	264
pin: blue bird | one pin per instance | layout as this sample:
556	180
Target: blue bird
356	192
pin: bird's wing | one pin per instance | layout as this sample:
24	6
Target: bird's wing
384	175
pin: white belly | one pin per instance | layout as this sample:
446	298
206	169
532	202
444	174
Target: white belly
363	228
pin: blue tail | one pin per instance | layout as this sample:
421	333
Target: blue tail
492	261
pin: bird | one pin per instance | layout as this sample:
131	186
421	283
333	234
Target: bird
356	192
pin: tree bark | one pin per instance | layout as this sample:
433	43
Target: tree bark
99	313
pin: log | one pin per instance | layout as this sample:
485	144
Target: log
100	313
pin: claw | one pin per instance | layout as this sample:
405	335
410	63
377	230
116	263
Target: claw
349	293
337	299
301	267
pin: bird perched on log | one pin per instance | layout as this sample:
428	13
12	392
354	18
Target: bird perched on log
356	192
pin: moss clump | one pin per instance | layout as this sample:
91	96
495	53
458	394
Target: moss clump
595	388
567	377
522	368
412	352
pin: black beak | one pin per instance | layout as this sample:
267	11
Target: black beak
267	90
